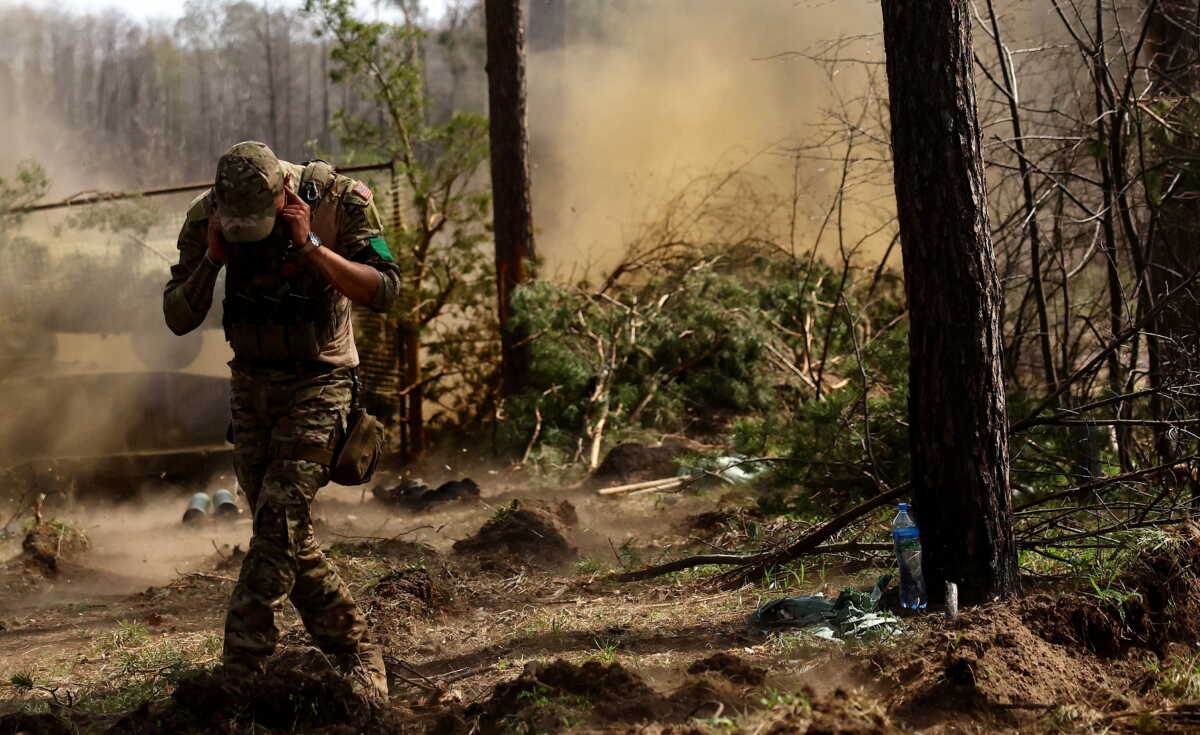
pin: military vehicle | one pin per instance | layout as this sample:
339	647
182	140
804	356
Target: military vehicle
113	414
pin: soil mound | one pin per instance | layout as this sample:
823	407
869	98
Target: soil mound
392	548
47	542
1014	661
607	697
990	663
298	692
731	667
1154	602
532	531
842	713
413	590
22	723
631	462
545	697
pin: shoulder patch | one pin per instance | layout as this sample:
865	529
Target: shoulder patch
361	190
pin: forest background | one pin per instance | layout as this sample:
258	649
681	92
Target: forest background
713	211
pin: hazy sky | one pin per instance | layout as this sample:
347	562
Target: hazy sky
174	8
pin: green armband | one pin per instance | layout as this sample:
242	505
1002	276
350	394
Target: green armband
380	246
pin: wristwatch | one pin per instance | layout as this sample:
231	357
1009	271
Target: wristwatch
312	243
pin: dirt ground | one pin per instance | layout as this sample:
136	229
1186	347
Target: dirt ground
499	614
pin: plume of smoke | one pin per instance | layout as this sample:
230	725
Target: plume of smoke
652	95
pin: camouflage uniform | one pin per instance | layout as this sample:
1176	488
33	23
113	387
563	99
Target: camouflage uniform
281	404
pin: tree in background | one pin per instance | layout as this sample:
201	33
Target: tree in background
440	215
510	180
1172	39
957	417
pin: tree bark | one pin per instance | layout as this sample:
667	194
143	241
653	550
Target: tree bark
1173	51
413	442
958	423
272	83
510	178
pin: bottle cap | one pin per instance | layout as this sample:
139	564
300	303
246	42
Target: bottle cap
904	506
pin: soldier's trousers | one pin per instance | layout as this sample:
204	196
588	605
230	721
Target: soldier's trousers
275	410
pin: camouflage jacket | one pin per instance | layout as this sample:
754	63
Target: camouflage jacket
344	217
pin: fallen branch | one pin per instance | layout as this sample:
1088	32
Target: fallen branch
1099	532
1111	422
414	529
655	484
428	685
1181	711
537	432
210	577
681	564
670	486
1178	465
95	197
757	568
754	566
731	559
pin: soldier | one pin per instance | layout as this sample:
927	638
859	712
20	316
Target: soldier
300	243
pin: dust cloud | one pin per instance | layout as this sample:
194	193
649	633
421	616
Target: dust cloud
665	93
148	544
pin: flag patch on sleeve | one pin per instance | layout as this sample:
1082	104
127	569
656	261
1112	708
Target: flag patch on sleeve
362	190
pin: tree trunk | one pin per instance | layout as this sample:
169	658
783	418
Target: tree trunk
414	413
510	178
326	115
272	80
1173	48
958	423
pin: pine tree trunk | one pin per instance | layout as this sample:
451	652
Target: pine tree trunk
958	423
1173	65
510	178
414	414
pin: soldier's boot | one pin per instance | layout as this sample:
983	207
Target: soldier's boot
366	672
235	674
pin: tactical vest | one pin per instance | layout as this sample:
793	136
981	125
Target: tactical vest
279	308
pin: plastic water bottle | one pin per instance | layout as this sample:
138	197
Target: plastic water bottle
908	555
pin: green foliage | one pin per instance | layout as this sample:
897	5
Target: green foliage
645	356
99	292
28	185
588	565
832	437
606	649
775	699
1177	676
128	634
22	682
1101	569
718	332
1169	135
441	241
542	711
131	217
23	262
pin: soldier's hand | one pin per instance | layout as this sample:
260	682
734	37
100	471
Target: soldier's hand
218	249
297	215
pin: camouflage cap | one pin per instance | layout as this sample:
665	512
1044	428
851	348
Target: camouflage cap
249	181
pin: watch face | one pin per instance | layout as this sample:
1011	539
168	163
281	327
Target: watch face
313	240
